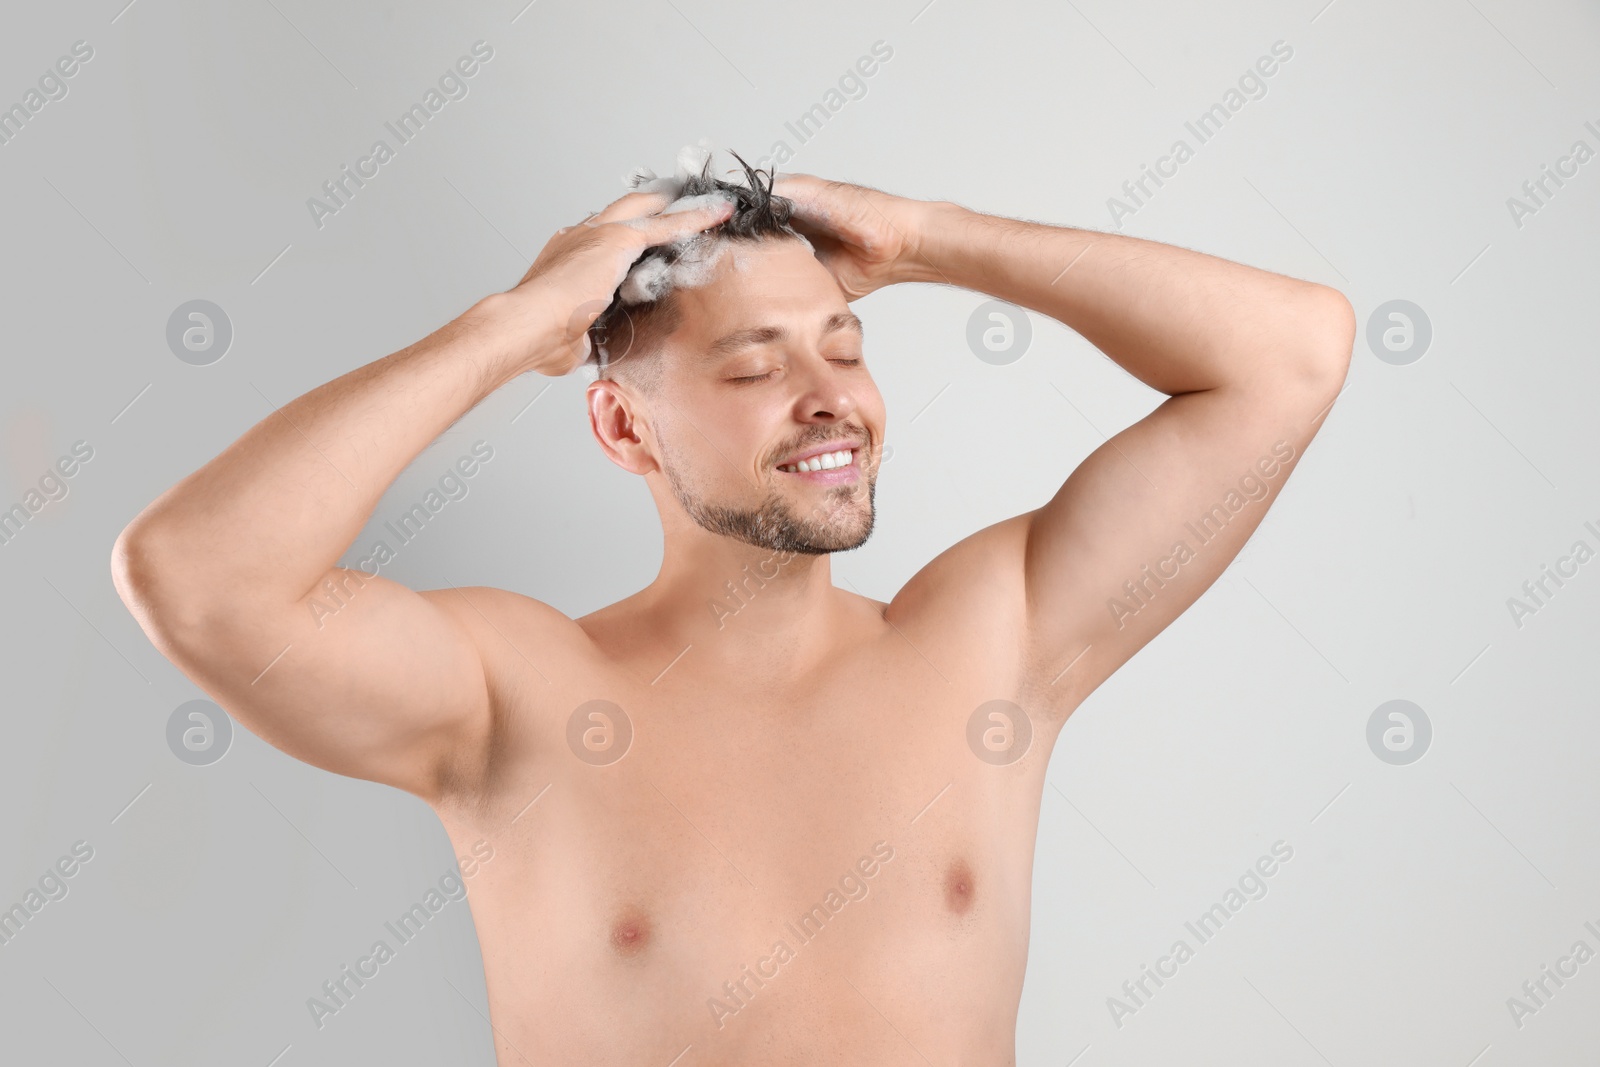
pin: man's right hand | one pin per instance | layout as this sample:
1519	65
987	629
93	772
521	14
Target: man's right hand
575	277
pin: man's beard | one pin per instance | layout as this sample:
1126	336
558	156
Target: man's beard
833	524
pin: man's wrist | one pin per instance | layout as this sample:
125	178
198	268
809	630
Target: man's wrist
514	328
934	249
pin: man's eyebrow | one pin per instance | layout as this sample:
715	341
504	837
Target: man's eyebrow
754	336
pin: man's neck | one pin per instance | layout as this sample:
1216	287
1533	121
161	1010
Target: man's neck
744	606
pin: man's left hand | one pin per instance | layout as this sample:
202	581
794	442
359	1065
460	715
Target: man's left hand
866	238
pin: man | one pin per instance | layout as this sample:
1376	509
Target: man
743	816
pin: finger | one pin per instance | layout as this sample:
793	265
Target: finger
804	191
784	179
631	205
689	215
811	231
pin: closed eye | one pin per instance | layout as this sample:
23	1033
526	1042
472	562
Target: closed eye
750	379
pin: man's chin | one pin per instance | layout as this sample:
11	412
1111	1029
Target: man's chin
838	519
797	519
847	532
805	536
832	541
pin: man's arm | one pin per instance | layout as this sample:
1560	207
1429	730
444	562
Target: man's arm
1250	360
221	570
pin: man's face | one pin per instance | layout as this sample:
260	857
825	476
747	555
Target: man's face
767	365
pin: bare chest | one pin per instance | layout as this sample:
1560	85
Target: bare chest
737	856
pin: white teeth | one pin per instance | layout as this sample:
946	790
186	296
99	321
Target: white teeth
825	462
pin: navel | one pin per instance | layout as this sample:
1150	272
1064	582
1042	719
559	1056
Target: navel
960	887
631	933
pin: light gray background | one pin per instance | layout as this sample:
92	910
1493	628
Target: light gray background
1380	160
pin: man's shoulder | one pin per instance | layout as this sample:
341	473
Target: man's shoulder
528	650
967	609
975	581
968	603
502	621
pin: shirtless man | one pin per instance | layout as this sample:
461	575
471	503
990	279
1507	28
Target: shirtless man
744	816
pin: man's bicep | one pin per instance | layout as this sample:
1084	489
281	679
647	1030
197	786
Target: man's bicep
364	677
1151	518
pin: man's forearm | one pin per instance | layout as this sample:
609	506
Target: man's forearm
1180	321
267	518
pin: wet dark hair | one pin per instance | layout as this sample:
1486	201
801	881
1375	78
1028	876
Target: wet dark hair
631	335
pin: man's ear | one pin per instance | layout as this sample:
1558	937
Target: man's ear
615	418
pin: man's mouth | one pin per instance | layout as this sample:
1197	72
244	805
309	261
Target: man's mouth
833	467
824	461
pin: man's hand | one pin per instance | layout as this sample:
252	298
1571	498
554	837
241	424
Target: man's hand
866	238
578	272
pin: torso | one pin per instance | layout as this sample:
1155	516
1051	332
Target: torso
657	906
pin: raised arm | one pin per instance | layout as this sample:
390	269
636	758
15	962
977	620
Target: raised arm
1250	360
225	570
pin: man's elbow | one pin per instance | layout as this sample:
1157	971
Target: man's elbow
148	579
136	566
1311	347
1331	336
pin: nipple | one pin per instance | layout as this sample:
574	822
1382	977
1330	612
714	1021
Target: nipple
960	887
630	933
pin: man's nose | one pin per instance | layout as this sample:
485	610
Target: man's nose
825	390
